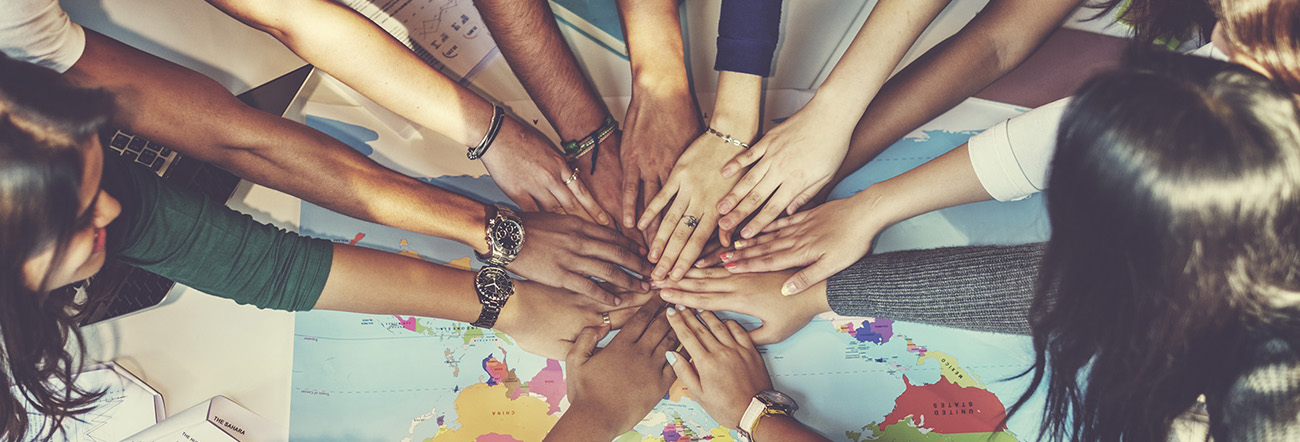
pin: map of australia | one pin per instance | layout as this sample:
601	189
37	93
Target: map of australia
388	378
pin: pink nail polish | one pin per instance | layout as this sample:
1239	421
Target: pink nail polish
730	265
726	256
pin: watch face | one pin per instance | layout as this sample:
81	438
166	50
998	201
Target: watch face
773	397
494	284
508	234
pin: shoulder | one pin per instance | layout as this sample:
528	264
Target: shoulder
1262	402
40	32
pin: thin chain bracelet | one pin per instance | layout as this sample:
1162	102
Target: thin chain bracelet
728	138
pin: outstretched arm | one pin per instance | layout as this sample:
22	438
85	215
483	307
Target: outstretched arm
663	117
997	40
360	54
530	40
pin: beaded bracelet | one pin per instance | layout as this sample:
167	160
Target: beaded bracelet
727	138
575	149
498	115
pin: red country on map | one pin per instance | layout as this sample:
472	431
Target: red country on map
947	408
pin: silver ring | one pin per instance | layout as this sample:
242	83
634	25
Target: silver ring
604	317
691	221
571	177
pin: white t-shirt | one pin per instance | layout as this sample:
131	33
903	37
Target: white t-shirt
38	31
1012	158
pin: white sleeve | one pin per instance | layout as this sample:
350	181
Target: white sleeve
1011	158
39	31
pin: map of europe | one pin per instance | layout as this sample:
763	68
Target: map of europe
399	378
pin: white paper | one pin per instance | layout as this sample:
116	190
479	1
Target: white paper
127	406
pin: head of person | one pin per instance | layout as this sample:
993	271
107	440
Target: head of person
52	219
1175	210
1263	35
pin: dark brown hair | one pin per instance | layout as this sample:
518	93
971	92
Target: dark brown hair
1268	31
1161	20
44	124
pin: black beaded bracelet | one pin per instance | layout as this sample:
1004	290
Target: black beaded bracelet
575	149
498	116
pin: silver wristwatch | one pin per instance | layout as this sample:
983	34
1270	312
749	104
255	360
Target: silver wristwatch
494	287
765	403
505	236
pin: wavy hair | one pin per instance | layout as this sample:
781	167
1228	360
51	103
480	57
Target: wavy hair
43	122
1268	31
1175	211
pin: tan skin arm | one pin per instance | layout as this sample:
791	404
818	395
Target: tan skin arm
997	40
360	54
193	114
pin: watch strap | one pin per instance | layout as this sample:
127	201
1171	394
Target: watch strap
488	317
749	420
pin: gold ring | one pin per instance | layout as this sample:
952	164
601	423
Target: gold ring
604	317
571	177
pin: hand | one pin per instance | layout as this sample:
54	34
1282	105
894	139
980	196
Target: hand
712	255
546	320
613	388
826	239
756	294
725	370
794	161
565	251
694	187
606	179
532	173
661	121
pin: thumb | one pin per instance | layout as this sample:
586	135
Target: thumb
817	272
584	346
741	161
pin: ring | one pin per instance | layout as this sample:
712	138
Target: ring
691	221
604	317
571	177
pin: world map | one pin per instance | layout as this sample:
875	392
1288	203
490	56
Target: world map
398	378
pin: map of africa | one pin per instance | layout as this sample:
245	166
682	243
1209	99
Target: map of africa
397	378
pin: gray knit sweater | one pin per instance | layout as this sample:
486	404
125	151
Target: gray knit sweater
989	288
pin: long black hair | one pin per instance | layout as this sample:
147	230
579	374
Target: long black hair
45	123
1175	208
1161	21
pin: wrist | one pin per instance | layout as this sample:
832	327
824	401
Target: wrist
834	110
594	420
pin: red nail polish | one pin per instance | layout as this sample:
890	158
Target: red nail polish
726	256
730	265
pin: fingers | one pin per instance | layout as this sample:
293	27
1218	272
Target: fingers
712	272
640	320
656	204
584	346
684	371
744	159
587	201
691	251
686	334
738	193
740	335
582	285
817	272
785	222
774	207
710	256
720	330
631	184
547	202
672	235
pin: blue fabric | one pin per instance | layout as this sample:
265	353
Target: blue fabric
748	31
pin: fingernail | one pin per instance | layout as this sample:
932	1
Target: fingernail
788	289
603	219
699	264
645	286
747	232
671	312
659	273
738	244
666	294
730	265
727	171
699	310
677	274
671	357
657	283
628	223
724	223
681	307
617	302
724	207
726	256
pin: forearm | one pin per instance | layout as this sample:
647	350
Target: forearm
530	40
943	182
581	425
784	428
890	30
360	54
191	113
653	30
997	40
984	288
371	281
736	110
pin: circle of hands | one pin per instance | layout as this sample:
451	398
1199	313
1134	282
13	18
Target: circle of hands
688	187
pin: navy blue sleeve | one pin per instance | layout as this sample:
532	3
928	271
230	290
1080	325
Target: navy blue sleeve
747	35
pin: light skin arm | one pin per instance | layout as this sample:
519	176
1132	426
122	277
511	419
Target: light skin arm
818	239
360	54
544	320
530	40
800	156
997	40
696	184
663	117
191	113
